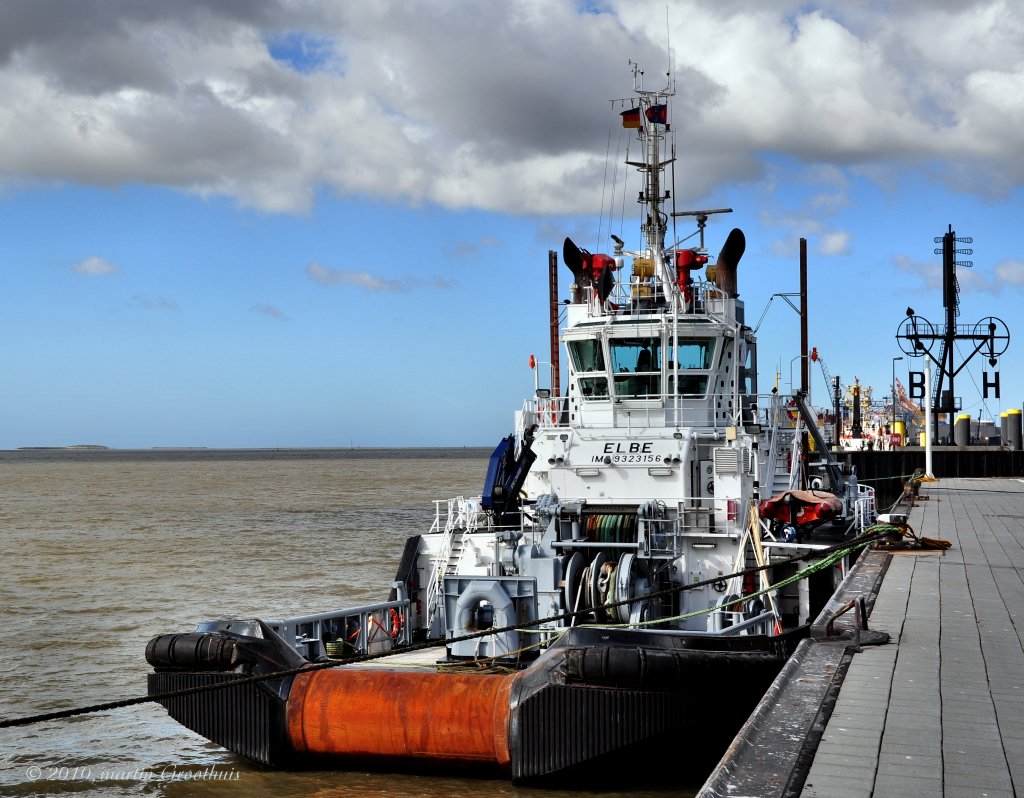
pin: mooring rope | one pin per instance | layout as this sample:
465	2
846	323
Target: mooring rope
870	535
804	574
901	477
484	663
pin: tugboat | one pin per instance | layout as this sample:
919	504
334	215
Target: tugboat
612	591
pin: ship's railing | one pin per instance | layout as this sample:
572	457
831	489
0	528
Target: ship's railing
548	412
340	634
459	516
652	410
699	519
717	304
457	513
663	538
643	294
771	460
738	622
449	526
864	508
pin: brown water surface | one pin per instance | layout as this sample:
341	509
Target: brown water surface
101	554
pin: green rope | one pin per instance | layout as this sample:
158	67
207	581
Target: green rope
822	564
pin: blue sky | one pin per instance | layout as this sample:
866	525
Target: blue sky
320	224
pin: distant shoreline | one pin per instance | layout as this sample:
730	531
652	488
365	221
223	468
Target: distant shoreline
167	453
74	446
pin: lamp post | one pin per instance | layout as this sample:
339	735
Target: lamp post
894	392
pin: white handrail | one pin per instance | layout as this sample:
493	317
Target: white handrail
441	559
864	507
772	460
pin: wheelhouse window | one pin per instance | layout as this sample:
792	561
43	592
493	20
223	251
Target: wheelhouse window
588	356
695	353
594	387
694	357
636	366
748	374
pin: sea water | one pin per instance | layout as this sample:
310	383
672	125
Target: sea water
102	550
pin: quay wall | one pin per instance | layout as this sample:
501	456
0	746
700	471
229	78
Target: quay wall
886	471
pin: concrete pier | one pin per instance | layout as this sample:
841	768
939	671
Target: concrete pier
936	711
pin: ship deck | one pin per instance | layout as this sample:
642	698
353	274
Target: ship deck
424	659
939	709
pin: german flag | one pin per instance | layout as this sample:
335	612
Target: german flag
631	118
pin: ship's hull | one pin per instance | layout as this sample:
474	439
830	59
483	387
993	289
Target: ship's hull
588	700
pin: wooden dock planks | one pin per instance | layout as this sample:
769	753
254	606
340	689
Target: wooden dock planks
938	711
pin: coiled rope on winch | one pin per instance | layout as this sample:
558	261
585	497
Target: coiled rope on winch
869	536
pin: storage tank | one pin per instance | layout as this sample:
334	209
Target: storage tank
962	430
1013	429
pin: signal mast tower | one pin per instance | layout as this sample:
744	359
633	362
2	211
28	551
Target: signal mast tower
917	337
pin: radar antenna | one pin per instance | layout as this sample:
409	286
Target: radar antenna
702	219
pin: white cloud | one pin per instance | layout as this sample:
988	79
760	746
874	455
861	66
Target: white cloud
472	249
154	303
322	275
1010	272
820	193
927	272
500	106
272	311
835	243
970	280
437	281
976	281
95	267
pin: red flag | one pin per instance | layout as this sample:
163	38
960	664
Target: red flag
658	114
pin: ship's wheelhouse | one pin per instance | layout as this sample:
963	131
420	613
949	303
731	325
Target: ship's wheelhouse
628	366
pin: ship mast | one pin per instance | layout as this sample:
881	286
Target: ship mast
653	125
651	121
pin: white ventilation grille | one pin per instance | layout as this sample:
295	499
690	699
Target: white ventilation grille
727	461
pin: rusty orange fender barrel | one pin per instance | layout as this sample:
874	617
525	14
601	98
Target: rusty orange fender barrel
382	714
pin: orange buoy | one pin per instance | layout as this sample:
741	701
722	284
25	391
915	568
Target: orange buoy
384	714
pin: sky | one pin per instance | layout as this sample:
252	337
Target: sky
274	223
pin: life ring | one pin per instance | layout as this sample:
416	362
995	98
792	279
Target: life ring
792	411
552	407
396	623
